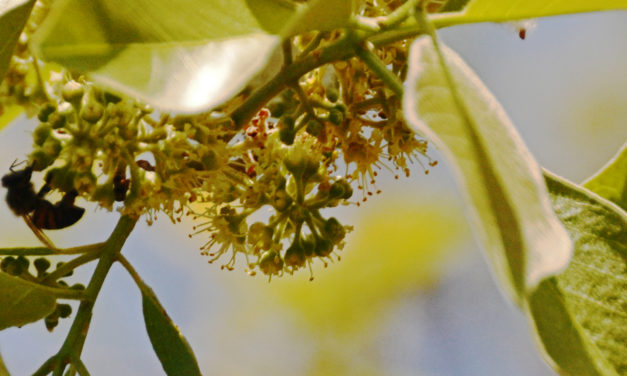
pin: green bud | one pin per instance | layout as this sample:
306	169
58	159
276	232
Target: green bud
334	230
287	135
341	189
52	321
40	160
64	310
336	116
45	111
210	161
295	255
57	120
72	91
78	286
260	235
309	245
270	263
314	127
41	133
324	247
91	109
41	265
281	200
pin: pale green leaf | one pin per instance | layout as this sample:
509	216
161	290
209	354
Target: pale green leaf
499	11
322	15
13	16
610	182
507	201
580	315
172	349
3	368
187	60
10	113
22	302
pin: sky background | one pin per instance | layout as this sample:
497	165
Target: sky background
412	294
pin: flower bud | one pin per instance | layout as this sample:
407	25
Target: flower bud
295	255
270	263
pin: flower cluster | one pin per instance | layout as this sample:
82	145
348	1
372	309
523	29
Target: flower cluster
305	151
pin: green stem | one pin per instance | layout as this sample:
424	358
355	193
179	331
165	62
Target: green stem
399	15
342	49
70	266
378	67
73	345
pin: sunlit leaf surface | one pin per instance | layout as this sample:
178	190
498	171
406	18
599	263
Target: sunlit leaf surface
581	315
187	57
610	182
507	201
498	11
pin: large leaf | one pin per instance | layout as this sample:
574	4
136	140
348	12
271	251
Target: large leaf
172	349
498	11
186	56
507	201
581	315
610	182
22	302
13	16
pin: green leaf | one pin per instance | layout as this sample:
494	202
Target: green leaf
610	182
172	349
188	60
22	302
499	11
580	316
13	16
507	201
3	368
9	114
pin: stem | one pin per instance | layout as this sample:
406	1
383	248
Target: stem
129	268
378	67
73	345
342	49
71	265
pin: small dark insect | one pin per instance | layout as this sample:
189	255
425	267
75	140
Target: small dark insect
38	212
522	33
144	164
120	186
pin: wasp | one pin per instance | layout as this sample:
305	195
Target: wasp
39	213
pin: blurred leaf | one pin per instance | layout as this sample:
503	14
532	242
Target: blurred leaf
189	60
398	248
581	315
507	201
610	182
499	11
22	302
9	114
172	349
13	16
3	368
